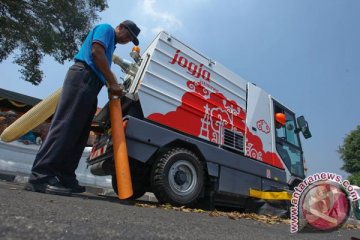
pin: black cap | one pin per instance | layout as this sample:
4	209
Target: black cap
133	29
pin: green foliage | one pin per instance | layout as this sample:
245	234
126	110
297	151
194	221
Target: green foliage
350	152
52	27
354	179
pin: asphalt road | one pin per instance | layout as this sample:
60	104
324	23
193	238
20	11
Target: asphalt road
29	215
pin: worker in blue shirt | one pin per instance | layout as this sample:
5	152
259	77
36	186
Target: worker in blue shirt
54	167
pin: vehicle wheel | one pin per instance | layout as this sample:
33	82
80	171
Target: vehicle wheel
178	177
137	180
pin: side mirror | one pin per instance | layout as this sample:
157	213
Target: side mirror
303	127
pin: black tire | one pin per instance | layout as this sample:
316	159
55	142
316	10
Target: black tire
138	190
137	180
177	177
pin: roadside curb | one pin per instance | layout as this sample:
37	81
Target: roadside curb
22	179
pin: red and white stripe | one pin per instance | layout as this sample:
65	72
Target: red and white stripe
97	152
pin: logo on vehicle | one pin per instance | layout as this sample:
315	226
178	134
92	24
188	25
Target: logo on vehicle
263	126
193	68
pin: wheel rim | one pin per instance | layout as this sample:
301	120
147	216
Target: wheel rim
182	177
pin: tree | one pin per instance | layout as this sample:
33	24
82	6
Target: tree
354	179
52	27
350	154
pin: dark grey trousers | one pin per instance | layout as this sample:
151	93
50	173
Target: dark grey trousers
61	151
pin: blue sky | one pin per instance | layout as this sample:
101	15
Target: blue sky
306	53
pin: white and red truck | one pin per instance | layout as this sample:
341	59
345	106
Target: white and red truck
196	130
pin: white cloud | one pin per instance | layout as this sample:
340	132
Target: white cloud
164	20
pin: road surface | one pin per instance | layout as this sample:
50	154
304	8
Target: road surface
30	215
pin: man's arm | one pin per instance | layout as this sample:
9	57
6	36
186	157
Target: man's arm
98	53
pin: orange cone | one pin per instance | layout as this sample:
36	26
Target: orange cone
122	169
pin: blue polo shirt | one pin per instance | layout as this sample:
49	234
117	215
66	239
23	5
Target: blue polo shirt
103	34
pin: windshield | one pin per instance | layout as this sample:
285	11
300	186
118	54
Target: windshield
288	143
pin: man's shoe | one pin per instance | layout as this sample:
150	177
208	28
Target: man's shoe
75	187
52	186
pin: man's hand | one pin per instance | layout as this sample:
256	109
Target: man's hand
115	90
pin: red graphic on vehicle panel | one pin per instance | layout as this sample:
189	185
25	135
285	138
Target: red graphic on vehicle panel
254	149
263	126
204	114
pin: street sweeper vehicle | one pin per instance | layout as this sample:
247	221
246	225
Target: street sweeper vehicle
195	131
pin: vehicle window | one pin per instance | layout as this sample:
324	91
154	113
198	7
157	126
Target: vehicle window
292	158
287	132
288	144
290	127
